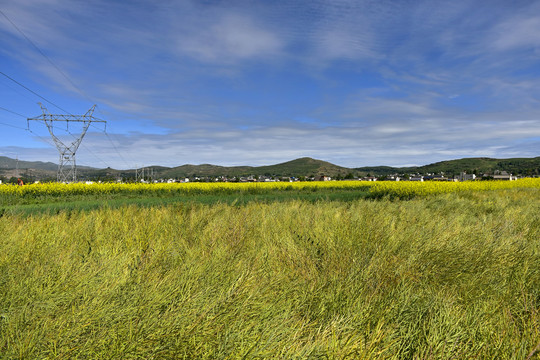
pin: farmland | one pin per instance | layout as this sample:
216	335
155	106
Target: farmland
283	270
79	195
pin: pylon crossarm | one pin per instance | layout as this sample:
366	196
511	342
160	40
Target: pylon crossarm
87	117
68	118
66	152
90	112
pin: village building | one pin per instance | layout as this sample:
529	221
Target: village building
466	177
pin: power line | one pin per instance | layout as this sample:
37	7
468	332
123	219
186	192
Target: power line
113	145
18	127
13	112
72	135
86	148
44	55
13	126
32	91
41	137
67	168
26	129
55	127
18	91
94	155
75	137
118	152
65	76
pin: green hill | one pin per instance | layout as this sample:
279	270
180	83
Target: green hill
524	166
204	170
486	165
299	167
302	167
8	163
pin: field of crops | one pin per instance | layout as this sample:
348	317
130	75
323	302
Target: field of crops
378	189
407	270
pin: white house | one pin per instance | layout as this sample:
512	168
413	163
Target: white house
508	177
466	177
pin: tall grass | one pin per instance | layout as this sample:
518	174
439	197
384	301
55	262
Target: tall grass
447	276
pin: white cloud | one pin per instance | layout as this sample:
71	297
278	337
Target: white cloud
416	141
208	82
36	25
228	38
518	33
339	44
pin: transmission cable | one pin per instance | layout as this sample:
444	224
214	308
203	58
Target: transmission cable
64	75
116	149
44	55
86	148
13	112
33	92
113	145
18	91
13	126
26	129
50	102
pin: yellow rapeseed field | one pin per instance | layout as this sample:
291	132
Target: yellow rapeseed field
185	188
405	189
400	189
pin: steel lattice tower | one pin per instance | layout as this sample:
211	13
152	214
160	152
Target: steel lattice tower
67	168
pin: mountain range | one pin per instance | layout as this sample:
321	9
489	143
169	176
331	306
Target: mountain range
299	167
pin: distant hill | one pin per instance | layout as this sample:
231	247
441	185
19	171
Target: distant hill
307	166
8	163
38	170
303	167
299	167
204	170
485	165
526	166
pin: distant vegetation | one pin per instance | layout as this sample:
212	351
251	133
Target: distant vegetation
303	167
523	166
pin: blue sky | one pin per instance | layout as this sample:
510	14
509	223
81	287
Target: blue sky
356	83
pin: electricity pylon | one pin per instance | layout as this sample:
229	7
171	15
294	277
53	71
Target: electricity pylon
67	168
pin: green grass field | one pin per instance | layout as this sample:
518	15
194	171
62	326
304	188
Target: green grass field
53	204
297	275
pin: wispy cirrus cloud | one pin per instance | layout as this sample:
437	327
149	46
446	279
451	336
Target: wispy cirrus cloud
355	82
229	38
518	32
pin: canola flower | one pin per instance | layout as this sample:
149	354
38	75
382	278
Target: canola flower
407	189
402	189
59	189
